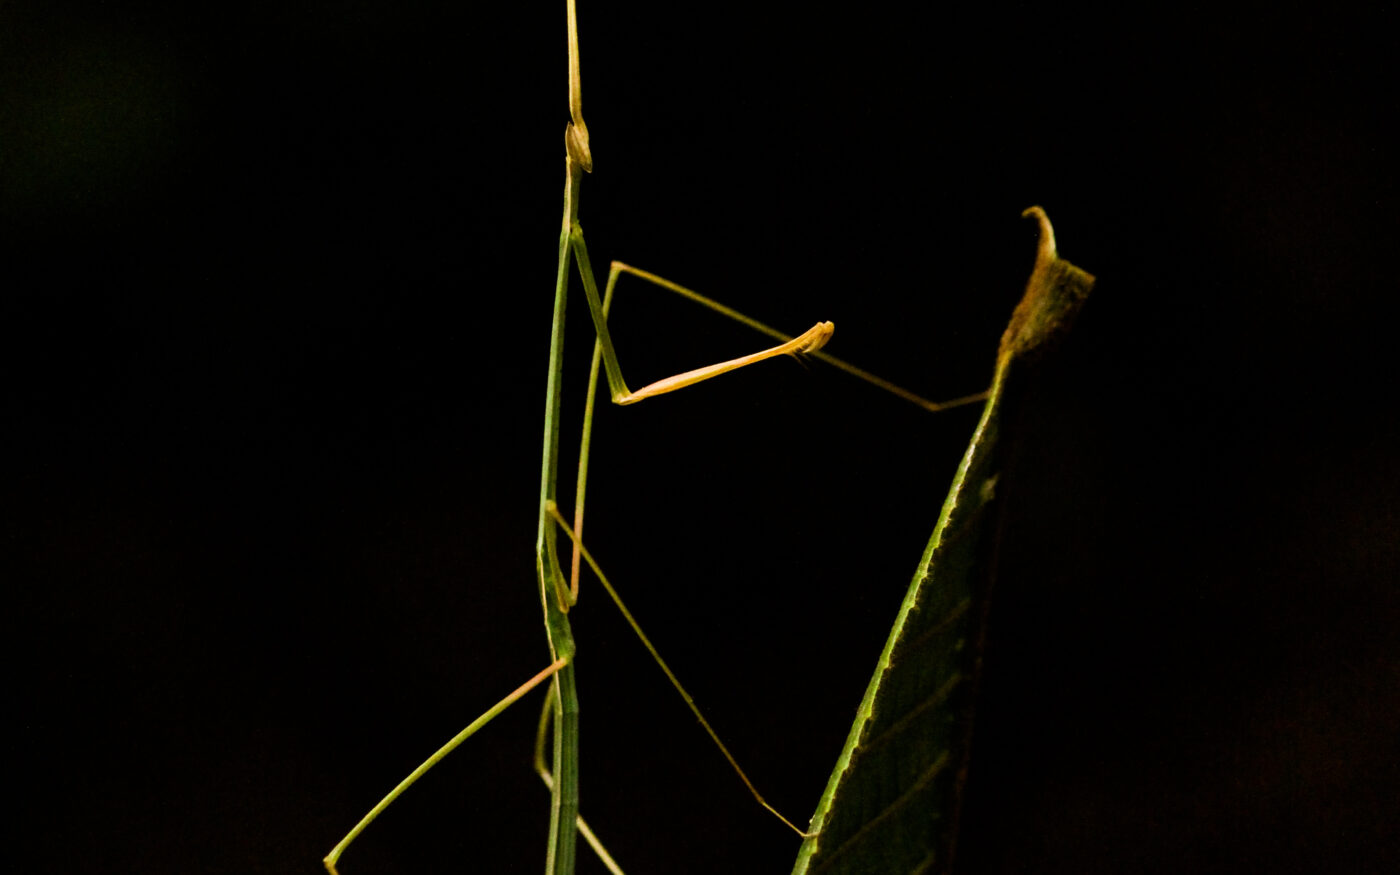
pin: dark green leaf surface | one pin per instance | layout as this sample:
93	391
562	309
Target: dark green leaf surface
891	804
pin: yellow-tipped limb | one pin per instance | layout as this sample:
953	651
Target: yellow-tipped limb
809	341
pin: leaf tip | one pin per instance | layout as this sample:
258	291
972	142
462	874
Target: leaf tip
1054	294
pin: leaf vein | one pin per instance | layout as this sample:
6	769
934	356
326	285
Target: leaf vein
924	780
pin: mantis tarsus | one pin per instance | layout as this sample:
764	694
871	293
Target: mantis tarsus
559	590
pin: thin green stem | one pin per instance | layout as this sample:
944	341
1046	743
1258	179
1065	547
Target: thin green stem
543	771
554	589
554	598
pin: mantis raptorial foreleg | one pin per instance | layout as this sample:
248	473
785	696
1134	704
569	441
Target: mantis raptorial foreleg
796	346
810	341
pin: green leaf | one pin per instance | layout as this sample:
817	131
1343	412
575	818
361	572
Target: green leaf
891	803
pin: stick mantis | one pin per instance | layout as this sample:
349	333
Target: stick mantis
559	589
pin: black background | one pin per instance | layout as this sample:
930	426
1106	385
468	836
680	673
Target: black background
276	292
